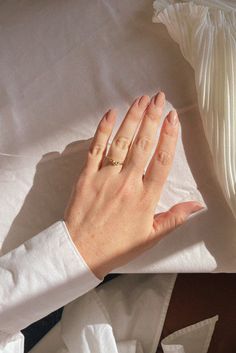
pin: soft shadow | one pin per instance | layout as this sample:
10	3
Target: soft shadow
46	201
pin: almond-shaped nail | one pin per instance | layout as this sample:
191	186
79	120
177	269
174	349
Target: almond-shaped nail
110	116
173	117
159	97
143	101
197	207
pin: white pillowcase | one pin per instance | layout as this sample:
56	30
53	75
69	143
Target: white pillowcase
206	34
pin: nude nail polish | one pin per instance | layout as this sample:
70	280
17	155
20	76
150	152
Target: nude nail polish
173	117
160	96
143	101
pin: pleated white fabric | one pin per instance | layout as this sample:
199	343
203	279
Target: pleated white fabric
206	34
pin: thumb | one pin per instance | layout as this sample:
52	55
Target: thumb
165	222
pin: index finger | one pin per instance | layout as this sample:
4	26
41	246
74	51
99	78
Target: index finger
162	159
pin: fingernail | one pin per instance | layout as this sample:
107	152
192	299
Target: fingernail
159	98
107	113
109	116
197	207
143	101
172	117
153	99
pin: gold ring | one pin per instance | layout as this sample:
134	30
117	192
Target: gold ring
113	162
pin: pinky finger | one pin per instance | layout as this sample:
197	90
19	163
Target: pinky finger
98	146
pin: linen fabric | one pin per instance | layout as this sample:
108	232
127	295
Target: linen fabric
57	79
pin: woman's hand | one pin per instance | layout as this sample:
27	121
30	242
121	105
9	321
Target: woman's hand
110	215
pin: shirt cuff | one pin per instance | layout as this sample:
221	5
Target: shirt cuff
41	275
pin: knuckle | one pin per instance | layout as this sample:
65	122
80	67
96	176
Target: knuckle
158	226
179	219
164	157
176	220
95	150
169	131
143	142
122	142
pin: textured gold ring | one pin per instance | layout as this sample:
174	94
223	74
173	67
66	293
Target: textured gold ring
113	162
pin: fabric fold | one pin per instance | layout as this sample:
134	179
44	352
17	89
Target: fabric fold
191	339
125	315
205	32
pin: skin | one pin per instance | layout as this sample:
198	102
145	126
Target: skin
111	212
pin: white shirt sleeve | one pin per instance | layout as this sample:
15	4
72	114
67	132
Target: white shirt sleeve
38	277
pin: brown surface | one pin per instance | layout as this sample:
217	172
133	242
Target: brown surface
197	297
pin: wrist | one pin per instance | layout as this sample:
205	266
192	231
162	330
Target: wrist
92	259
90	255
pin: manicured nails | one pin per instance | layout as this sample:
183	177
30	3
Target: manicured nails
143	102
110	115
197	207
159	98
173	117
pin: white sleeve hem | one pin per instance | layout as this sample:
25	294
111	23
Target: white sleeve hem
41	275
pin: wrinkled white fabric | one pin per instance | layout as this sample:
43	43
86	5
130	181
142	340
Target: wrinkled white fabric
124	315
206	34
41	275
57	78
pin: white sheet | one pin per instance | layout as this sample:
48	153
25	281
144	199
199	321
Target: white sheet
61	67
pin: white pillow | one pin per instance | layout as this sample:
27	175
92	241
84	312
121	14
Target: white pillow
206	33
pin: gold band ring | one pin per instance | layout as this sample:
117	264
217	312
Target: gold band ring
113	162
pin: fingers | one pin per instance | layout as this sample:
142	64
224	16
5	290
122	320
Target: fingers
119	149
99	143
143	143
161	162
177	215
124	136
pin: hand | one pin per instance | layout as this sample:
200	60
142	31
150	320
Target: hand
110	215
